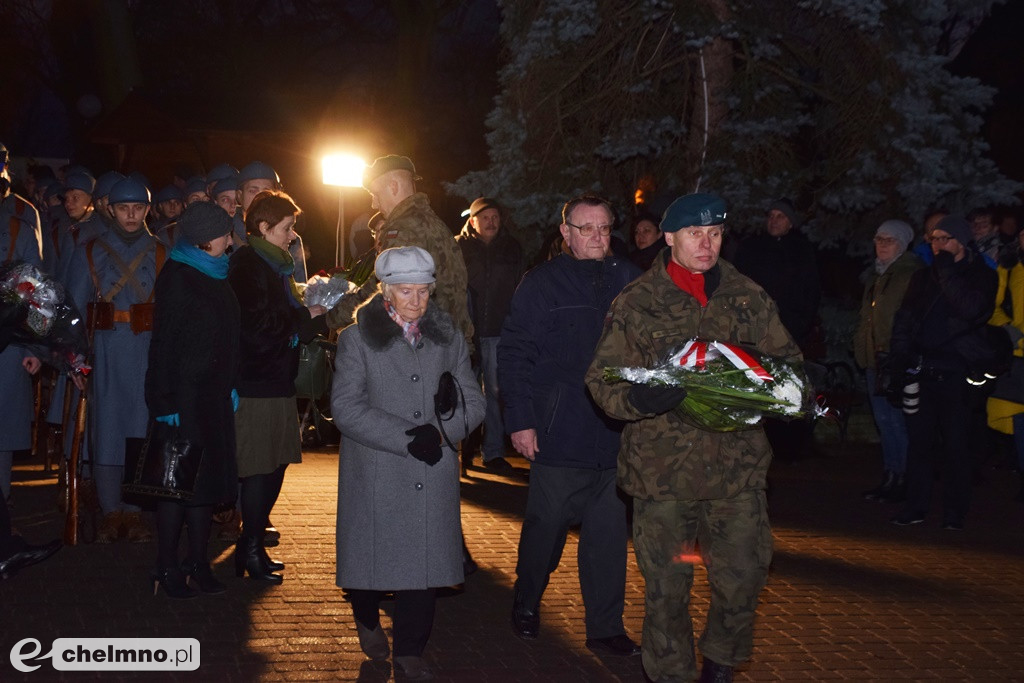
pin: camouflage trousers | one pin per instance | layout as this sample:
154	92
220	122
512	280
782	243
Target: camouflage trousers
733	540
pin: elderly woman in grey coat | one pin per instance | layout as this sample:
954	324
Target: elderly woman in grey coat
398	526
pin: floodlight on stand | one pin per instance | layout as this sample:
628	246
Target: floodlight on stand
342	170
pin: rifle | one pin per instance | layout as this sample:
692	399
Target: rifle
71	501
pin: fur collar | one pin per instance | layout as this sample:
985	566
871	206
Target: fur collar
378	330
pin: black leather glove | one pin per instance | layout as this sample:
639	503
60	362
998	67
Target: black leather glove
653	399
426	443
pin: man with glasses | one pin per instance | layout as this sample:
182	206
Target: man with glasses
546	344
698	495
883	291
936	333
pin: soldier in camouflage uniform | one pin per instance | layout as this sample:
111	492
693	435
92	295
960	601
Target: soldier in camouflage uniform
410	222
691	486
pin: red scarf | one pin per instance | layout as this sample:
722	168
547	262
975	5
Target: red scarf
691	283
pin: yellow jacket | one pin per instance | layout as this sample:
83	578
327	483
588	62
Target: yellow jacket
1000	411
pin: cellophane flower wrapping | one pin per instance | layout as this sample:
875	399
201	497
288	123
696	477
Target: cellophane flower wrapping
326	291
728	387
48	324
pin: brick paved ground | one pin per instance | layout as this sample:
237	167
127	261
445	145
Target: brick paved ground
850	597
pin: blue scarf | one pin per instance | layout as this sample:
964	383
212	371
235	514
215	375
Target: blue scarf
191	255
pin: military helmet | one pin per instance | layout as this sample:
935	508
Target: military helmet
169	193
80	180
129	190
106	182
257	170
220	172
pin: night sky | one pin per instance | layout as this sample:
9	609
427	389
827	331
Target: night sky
285	81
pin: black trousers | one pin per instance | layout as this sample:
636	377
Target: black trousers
413	620
938	440
9	544
558	498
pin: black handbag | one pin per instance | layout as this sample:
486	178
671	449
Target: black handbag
446	401
163	465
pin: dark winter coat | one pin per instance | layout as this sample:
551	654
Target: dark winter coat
398	518
494	270
786	268
270	319
946	304
644	258
193	366
548	340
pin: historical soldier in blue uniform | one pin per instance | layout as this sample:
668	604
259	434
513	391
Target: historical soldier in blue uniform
112	278
19	241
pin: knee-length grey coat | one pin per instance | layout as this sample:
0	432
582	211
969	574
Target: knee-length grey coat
398	525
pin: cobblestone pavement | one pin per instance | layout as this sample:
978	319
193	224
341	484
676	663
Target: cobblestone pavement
850	596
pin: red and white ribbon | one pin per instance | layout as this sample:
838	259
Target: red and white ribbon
695	355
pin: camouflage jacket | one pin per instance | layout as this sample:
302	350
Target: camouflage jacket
662	457
414	224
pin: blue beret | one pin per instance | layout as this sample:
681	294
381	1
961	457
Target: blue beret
699	209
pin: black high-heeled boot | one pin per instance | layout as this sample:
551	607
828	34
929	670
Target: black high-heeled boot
172	580
200	575
272	564
249	554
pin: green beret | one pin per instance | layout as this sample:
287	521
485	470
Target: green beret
699	209
387	164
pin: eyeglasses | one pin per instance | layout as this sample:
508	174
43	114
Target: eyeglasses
939	239
885	241
714	233
588	230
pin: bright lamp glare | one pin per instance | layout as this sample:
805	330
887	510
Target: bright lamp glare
344	170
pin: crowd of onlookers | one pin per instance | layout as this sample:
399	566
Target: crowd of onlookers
193	297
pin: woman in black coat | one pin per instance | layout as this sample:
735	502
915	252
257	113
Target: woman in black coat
193	358
273	321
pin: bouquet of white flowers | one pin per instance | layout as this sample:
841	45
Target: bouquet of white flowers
42	317
727	386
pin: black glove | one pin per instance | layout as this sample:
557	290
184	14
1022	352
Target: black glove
653	399
426	444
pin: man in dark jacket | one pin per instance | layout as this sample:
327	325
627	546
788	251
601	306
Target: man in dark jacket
546	344
936	333
783	262
494	265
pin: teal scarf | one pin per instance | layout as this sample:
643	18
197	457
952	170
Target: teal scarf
281	261
191	255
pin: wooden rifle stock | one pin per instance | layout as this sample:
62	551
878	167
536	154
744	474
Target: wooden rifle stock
71	517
